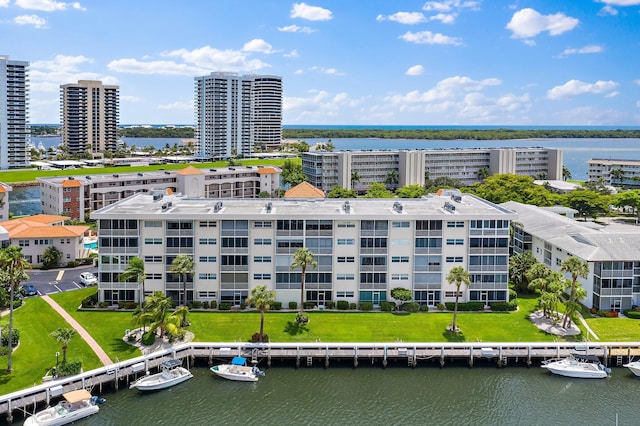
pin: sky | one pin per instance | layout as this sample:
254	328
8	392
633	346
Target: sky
356	62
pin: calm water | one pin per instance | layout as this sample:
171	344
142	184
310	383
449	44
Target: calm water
340	395
576	153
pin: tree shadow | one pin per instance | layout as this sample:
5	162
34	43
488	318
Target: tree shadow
293	328
452	336
400	313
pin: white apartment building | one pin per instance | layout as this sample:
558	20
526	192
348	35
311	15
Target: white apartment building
612	252
236	115
76	196
89	113
363	247
625	172
14	113
412	167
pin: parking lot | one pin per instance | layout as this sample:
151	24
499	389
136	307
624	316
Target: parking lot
58	280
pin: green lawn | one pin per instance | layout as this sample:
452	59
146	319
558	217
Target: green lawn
37	351
615	329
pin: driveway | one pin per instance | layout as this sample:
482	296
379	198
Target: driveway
58	280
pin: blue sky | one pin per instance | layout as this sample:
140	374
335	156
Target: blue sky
449	62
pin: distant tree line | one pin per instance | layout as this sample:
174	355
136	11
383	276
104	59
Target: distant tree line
157	132
456	134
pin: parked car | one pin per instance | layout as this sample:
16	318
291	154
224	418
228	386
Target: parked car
87	278
29	290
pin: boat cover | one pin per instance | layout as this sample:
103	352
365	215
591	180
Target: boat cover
587	358
77	395
172	363
238	360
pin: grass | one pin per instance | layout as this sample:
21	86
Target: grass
36	353
615	329
30	175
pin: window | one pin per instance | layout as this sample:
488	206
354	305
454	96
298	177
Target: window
235	242
400	224
154	276
452	259
455	241
403	242
208	224
153	224
66	200
207	259
345	277
153	259
207	276
153	241
344	294
347	224
346	259
262	259
261	276
402	277
207	295
346	241
456	224
208	241
262	241
400	259
23	243
262	224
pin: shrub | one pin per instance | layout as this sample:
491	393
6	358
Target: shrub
71	264
352	306
69	368
120	305
387	306
512	305
440	306
17	303
214	304
205	304
632	314
255	338
243	306
276	306
411	307
293	305
309	305
343	305
15	337
468	306
148	338
91	301
4	350
103	304
130	305
330	305
512	294
366	306
302	318
424	308
197	304
225	306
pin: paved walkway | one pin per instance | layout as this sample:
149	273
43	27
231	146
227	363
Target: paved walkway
104	358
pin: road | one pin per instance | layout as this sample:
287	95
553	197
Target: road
58	280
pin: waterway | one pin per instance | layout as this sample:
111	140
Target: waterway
398	395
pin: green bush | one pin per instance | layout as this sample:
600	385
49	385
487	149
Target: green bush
148	338
17	303
197	304
512	305
4	350
225	306
15	337
103	304
293	305
120	305
255	338
343	305
130	305
366	306
629	313
309	305
512	294
276	306
205	304
352	306
214	304
440	306
91	301
424	308
411	307
330	304
69	368
465	307
387	306
243	306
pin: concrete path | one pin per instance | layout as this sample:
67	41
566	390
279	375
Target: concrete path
104	358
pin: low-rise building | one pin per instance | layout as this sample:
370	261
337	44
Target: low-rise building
77	196
363	247
35	234
612	252
615	172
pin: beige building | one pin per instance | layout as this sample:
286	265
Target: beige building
14	113
77	196
615	172
37	233
89	114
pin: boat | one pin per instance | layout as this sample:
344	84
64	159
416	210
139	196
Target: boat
634	367
172	373
238	370
77	405
578	366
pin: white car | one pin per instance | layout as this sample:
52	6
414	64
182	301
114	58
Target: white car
87	278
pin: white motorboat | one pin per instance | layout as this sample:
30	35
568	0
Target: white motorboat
77	405
634	367
578	366
238	370
172	373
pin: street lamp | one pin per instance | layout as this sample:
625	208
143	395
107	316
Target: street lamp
57	355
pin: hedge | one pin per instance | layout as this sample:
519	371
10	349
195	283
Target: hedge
468	306
411	307
630	313
343	305
366	306
512	305
387	306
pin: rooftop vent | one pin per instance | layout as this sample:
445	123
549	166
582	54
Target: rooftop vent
88	177
157	196
115	176
213	170
167	173
217	207
139	174
397	207
268	207
449	207
456	198
165	207
347	207
70	177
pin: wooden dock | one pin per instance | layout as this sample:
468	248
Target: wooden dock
316	354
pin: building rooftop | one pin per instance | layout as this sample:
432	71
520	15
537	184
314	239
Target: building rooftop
41	226
304	190
142	206
588	240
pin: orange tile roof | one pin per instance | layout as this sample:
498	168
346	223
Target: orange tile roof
25	228
267	170
304	190
2	189
190	171
71	183
45	218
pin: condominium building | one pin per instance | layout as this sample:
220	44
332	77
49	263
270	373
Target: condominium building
363	247
236	115
612	253
413	167
4	200
77	196
14	113
615	172
89	114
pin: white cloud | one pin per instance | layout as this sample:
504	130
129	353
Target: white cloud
527	23
298	72
4	3
214	59
448	10
258	45
34	20
449	88
427	37
293	54
621	2
607	11
48	5
129	98
594	48
407	18
323	70
178	105
319	106
310	13
445	18
415	70
48	75
134	66
295	29
636	82
576	87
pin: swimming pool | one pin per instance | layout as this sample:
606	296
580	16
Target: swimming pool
91	246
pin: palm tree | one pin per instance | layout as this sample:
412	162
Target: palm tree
12	273
519	265
261	298
457	276
391	178
135	273
542	278
63	335
566	173
617	175
183	265
577	268
155	314
483	173
355	177
302	259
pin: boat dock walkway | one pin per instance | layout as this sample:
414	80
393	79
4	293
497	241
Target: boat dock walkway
316	354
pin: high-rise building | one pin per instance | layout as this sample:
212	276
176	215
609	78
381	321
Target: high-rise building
89	115
237	115
14	117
